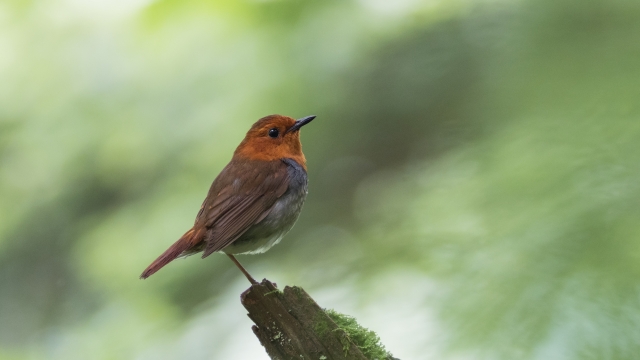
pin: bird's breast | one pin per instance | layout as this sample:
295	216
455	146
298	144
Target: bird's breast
281	218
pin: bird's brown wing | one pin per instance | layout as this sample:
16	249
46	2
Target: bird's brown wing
241	196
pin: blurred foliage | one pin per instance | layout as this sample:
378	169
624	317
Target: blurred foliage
491	147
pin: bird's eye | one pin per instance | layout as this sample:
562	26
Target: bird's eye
274	133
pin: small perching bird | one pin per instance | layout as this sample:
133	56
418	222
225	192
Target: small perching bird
254	201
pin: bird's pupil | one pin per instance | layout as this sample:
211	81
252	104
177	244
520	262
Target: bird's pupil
273	133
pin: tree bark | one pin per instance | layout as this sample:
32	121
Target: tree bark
291	325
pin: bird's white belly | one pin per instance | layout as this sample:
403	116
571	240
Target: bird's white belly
255	246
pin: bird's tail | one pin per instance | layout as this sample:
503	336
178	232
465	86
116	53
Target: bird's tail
187	241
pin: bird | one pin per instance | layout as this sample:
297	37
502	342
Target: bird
254	201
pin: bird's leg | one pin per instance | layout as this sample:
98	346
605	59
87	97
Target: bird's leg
251	280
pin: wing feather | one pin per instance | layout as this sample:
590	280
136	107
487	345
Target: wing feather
243	194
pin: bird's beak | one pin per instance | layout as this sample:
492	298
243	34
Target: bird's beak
300	123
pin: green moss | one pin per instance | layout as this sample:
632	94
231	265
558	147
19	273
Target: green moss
344	340
321	326
366	340
276	291
298	291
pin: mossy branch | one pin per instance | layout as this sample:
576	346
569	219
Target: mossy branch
291	325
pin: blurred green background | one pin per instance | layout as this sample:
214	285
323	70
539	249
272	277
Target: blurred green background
474	172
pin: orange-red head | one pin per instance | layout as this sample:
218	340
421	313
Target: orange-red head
274	137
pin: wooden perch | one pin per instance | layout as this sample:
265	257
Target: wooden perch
291	325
